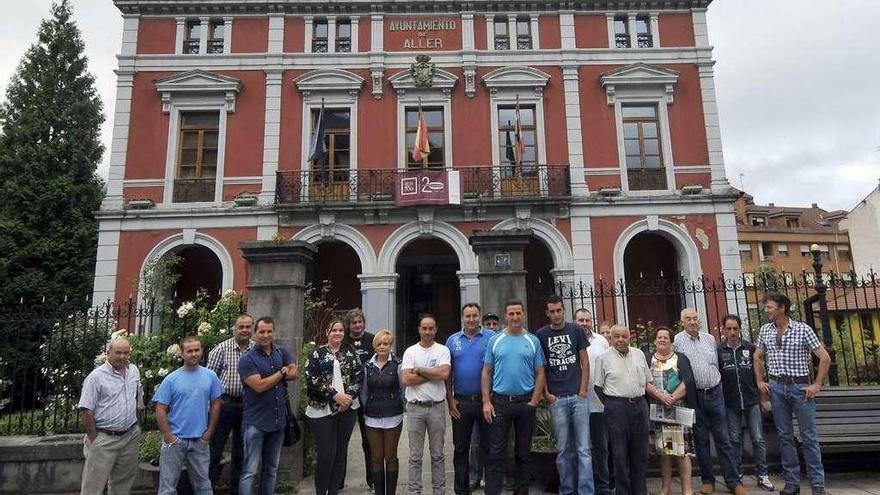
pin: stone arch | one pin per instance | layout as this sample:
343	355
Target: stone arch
441	230
346	234
175	242
688	255
563	260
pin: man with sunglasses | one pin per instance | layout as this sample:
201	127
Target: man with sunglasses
787	344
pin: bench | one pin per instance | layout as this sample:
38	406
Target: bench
847	419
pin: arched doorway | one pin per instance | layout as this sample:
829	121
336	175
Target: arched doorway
427	283
538	264
337	263
652	274
199	269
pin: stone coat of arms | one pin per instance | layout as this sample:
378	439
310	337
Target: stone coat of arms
422	71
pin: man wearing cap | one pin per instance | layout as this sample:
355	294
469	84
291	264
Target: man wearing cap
467	348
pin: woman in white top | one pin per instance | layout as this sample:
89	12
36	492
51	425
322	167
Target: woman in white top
333	379
382	400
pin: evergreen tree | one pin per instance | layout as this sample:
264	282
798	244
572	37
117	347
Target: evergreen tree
49	152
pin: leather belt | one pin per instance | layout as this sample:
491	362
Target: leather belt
469	398
791	380
426	403
512	398
708	390
115	433
631	400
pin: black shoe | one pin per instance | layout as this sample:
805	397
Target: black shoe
818	490
378	481
391	481
474	485
790	489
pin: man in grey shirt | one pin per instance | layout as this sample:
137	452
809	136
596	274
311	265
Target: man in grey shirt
701	349
111	401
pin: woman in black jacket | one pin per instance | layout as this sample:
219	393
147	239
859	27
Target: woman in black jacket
382	400
673	386
333	379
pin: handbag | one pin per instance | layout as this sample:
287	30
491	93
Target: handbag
292	432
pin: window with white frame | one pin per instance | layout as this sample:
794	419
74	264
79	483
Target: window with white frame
745	252
343	35
333	166
523	33
759	221
644	37
192	36
641	141
216	36
198	143
782	249
436	136
621	32
320	36
517	159
502	35
805	251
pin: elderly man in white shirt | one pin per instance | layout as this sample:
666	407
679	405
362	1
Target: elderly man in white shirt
112	399
598	429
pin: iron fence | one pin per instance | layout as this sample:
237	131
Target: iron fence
365	186
843	309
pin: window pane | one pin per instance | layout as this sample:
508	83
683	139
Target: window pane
410	140
188	156
528	138
321	29
194	29
341	141
200	119
639	111
435	139
642	26
653	161
620	26
187	172
209	157
412	118
210	139
632	147
527	116
190	139
434	118
649	130
217	29
633	162
522	27
506	116
501	27
343	30
652	147
341	159
529	154
630	130
335	119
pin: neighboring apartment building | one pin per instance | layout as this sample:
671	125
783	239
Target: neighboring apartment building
780	237
863	224
593	123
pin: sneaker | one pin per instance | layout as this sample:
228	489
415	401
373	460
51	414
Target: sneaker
818	490
764	483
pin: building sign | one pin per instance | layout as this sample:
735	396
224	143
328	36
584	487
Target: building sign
428	187
422	33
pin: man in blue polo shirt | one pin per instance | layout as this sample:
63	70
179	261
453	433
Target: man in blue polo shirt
467	349
264	370
187	410
568	380
512	384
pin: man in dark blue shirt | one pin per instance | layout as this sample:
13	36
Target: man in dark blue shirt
567	368
467	349
264	370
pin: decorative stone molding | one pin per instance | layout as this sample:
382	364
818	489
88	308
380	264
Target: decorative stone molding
141	204
639	76
516	78
470	75
329	81
246	199
377	74
198	83
327	221
426	221
403	81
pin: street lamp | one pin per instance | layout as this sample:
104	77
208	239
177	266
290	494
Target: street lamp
821	288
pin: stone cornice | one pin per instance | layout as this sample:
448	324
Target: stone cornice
347	7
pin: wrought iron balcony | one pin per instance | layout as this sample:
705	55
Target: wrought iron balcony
193	190
647	179
504	182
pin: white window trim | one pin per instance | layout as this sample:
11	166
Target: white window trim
507	97
178	107
196	90
665	141
332	100
429	99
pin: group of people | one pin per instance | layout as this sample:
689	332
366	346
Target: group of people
490	380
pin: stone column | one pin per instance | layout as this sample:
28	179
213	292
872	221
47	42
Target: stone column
500	259
276	287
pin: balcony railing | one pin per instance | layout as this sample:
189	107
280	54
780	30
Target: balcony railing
193	190
370	186
647	179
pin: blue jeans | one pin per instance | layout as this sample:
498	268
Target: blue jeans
752	415
197	455
788	400
712	421
259	446
571	422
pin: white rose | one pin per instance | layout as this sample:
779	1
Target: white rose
222	331
229	293
162	372
174	350
184	309
148	374
204	327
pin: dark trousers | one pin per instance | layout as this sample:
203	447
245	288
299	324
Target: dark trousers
229	422
521	417
712	422
365	445
599	444
627	423
462	429
332	434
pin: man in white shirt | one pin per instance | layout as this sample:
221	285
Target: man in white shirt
425	368
598	429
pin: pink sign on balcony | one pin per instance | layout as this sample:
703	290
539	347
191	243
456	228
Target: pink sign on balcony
428	187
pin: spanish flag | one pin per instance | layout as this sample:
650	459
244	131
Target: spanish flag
422	148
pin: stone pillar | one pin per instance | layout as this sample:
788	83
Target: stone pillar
500	259
276	287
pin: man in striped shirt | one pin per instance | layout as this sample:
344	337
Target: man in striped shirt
700	348
223	360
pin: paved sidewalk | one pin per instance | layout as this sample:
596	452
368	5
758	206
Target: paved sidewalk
838	484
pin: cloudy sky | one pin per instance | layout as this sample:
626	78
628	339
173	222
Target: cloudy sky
798	84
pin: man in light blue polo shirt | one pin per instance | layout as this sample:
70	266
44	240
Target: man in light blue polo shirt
187	410
512	384
467	349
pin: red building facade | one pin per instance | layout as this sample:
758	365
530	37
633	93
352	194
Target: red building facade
621	172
